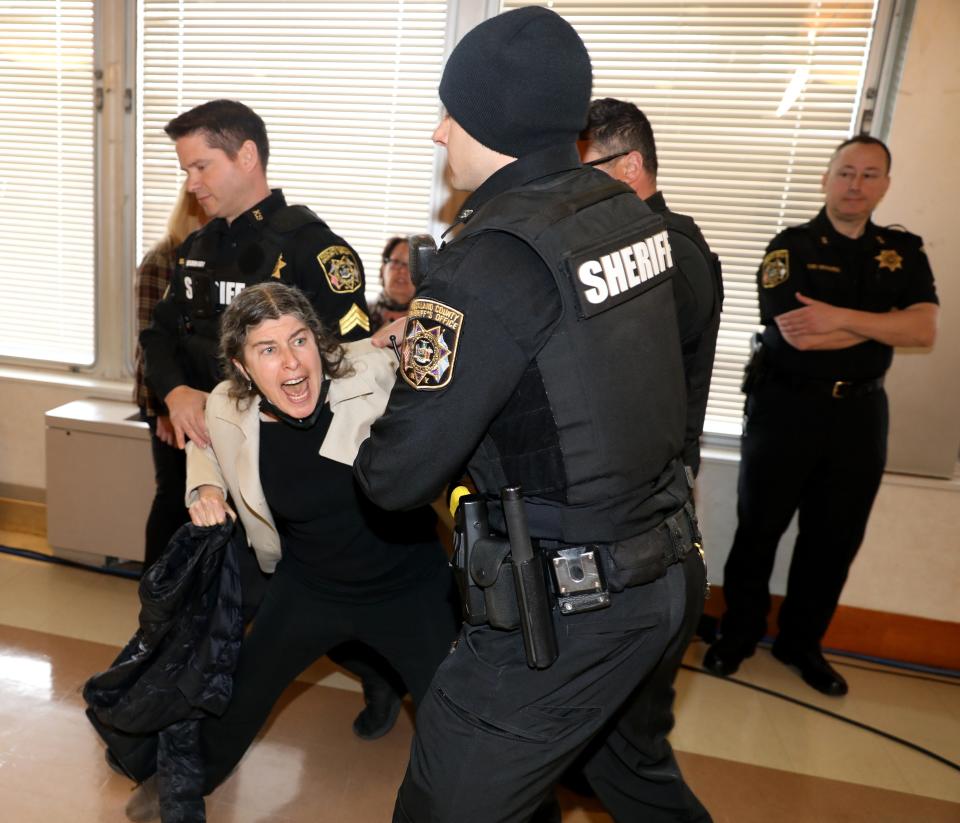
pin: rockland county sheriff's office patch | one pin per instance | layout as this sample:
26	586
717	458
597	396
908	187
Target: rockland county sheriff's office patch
775	269
340	268
430	344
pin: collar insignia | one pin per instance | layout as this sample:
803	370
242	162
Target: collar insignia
281	264
257	215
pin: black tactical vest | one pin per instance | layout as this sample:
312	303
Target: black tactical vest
606	391
204	287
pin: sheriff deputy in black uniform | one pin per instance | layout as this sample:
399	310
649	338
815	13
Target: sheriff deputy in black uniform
619	141
836	295
252	236
541	351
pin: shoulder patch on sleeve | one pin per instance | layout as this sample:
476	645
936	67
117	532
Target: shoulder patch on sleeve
775	268
341	269
430	340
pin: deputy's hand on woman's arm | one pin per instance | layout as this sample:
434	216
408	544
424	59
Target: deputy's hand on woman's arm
381	338
210	507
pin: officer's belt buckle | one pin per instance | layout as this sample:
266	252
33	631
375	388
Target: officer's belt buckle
578	578
838	389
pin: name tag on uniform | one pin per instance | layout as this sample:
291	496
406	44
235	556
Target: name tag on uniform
194	264
607	275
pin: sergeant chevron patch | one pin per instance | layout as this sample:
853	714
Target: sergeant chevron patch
353	318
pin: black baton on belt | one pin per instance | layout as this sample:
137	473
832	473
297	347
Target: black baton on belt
533	598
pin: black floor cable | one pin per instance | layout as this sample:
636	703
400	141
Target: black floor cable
130	574
135	575
866	727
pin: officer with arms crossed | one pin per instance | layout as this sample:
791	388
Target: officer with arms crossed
253	236
836	295
513	365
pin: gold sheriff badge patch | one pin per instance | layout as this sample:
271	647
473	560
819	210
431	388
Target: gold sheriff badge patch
889	259
340	268
430	344
775	268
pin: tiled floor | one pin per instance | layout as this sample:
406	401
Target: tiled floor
751	757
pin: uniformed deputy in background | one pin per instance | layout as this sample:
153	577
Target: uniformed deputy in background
541	351
836	295
252	236
619	141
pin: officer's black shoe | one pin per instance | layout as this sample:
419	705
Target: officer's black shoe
380	713
725	656
814	669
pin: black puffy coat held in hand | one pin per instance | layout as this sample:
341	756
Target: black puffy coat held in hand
176	669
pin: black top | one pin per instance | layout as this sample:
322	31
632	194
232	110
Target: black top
883	269
332	536
505	370
698	292
512	303
215	263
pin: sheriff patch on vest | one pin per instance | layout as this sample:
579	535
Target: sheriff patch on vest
606	278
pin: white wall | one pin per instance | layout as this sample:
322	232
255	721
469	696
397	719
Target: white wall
909	562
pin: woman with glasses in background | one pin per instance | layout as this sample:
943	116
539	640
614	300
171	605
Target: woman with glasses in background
398	288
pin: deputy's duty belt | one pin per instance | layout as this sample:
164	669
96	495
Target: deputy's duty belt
506	584
837	389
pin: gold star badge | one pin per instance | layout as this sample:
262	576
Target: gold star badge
276	269
889	259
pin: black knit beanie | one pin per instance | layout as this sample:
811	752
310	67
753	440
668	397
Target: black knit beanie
519	82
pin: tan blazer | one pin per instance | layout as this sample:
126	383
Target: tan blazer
231	461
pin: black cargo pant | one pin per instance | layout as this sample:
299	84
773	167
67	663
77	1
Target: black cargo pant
633	771
493	736
802	451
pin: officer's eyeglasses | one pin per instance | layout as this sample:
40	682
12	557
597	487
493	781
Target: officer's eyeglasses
397	264
601	160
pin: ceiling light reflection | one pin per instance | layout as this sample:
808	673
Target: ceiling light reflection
29	675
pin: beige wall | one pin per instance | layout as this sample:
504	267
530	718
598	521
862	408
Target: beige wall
925	388
909	563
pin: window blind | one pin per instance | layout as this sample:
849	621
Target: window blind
47	271
747	99
348	92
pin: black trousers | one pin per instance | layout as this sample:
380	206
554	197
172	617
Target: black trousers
494	736
823	458
634	772
296	625
167	512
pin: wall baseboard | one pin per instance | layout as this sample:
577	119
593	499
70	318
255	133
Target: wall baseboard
891	636
25	516
14	491
901	637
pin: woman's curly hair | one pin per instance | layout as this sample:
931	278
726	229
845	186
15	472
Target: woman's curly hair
271	301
